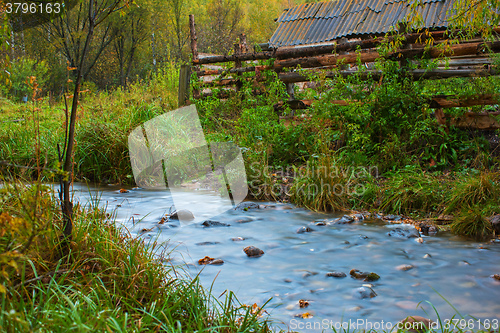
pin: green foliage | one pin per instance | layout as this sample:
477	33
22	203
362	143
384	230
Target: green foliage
23	72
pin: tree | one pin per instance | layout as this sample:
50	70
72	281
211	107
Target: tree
131	32
69	33
223	27
97	11
177	17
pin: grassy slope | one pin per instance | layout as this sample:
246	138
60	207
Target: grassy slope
109	281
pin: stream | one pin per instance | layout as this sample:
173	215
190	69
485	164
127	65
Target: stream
448	271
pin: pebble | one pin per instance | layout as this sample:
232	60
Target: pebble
211	223
182	214
336	274
302	230
253	251
404	267
364	292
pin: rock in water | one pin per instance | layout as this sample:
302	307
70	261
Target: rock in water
336	274
415	324
301	230
495	223
246	206
345	220
404	267
253	251
364	292
210	261
211	223
366	276
182	214
403	233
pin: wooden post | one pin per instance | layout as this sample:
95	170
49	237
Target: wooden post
194	50
184	78
194	39
237	64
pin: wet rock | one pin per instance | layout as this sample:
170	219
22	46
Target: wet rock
253	251
245	206
364	292
336	274
464	263
403	233
404	267
320	223
301	230
207	243
238	239
358	217
427	255
244	220
217	262
210	261
363	237
419	240
415	324
427	229
122	190
308	274
182	214
345	220
303	303
391	217
211	223
495	223
366	276
287	280
496	277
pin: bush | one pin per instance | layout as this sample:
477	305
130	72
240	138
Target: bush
22	70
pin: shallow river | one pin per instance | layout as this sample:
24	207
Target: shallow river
446	268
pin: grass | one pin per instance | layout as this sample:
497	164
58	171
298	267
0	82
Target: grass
472	223
108	282
103	123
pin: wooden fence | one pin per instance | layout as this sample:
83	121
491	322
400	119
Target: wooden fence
464	58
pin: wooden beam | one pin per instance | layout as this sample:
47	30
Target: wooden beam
365	57
375	75
439	102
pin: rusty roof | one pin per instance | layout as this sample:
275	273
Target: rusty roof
320	22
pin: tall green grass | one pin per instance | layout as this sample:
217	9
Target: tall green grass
108	282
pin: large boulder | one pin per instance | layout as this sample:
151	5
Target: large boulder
182	214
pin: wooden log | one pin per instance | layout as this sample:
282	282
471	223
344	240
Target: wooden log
433	52
297	52
206	72
375	75
438	102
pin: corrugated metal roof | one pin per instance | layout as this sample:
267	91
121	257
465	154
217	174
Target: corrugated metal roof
320	22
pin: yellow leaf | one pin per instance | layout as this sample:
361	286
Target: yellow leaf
3	290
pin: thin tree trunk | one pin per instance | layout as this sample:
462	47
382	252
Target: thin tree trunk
67	205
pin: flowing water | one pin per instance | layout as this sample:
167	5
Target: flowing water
446	268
